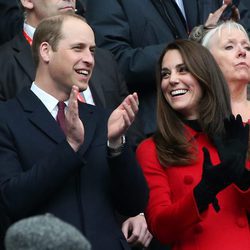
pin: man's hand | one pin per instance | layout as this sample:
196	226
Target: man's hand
136	232
121	119
74	127
213	18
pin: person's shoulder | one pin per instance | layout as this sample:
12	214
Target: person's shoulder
5	47
13	104
11	45
147	144
8	108
146	152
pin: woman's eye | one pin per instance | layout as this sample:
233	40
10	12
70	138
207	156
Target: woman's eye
183	69
165	74
229	47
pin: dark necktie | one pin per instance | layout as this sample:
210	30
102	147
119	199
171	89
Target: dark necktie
60	118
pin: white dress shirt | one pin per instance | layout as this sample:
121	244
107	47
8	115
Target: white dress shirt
49	101
181	6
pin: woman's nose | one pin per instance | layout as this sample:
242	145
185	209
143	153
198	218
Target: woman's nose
174	79
241	51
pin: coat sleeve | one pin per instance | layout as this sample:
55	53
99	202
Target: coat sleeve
245	195
166	219
129	187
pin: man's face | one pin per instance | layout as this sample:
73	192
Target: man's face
73	61
48	8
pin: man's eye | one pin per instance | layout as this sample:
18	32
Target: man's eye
77	48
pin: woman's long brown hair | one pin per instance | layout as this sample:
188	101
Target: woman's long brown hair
172	144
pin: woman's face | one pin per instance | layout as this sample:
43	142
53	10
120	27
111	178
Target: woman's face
231	50
181	90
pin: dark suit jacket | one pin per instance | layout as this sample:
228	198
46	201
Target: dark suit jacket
136	32
39	172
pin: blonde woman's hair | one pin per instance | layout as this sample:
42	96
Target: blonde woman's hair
230	25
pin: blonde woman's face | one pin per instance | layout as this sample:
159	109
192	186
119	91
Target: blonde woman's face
231	50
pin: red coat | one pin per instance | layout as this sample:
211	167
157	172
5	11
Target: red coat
172	214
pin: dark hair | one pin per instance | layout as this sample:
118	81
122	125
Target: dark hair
172	144
49	30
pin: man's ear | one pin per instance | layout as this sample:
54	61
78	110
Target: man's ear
27	4
45	52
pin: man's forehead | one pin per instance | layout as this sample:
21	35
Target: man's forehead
80	22
79	32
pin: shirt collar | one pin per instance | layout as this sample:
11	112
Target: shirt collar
29	30
49	101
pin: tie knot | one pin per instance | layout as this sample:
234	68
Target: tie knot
61	105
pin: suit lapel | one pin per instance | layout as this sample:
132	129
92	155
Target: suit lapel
39	116
22	53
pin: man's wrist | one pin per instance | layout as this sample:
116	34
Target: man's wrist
115	149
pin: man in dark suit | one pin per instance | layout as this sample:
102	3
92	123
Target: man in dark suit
75	175
107	86
136	32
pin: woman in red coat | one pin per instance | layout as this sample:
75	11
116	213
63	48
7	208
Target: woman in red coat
195	162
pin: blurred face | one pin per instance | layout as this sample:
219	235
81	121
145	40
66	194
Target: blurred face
231	50
181	90
73	61
40	9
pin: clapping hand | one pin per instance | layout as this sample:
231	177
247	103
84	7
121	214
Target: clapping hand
121	118
74	128
235	142
214	179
